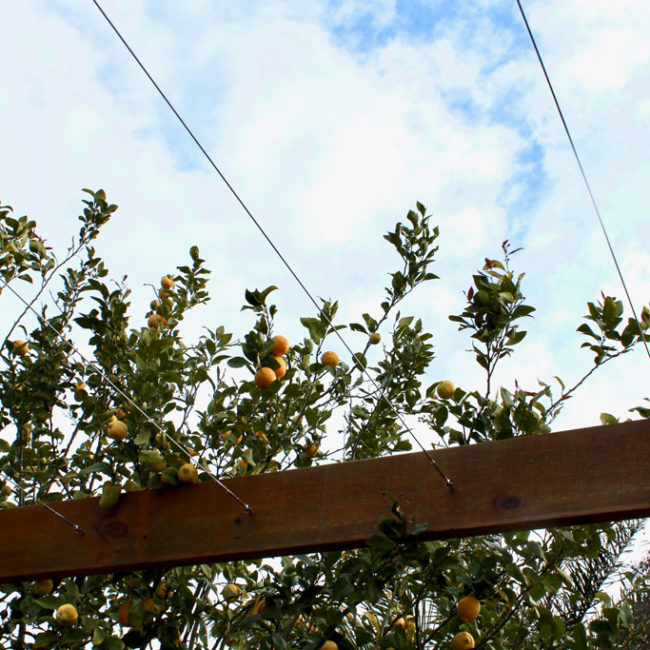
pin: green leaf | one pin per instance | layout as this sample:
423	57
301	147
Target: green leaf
315	327
380	543
523	310
48	602
579	637
238	362
404	322
252	298
585	329
626	615
546	623
104	468
45	640
516	337
604	598
537	591
143	437
371	323
357	327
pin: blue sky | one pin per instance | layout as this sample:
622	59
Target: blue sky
331	120
418	21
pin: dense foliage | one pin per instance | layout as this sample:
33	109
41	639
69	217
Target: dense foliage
60	440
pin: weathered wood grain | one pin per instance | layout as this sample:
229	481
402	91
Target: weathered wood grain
559	479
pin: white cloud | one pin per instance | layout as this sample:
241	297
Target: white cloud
330	146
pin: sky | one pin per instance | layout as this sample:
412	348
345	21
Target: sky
331	119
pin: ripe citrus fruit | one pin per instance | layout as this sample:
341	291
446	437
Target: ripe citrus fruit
123	612
463	641
20	347
468	608
311	449
117	430
329	645
187	473
282	370
80	391
155	319
67	615
280	346
166	282
330	359
445	389
264	377
374	338
43	587
262	437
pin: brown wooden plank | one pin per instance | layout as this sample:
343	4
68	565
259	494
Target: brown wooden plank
578	476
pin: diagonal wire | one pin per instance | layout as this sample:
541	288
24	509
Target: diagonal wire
77	528
118	390
584	178
447	480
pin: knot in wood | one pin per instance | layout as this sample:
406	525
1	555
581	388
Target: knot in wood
114	529
507	502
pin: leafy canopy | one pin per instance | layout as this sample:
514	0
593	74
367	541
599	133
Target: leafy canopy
537	590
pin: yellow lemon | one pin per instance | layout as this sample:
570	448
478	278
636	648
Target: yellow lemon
67	615
445	390
117	430
187	473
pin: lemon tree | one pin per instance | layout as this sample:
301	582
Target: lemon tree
259	402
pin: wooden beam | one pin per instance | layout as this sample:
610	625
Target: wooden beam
559	479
